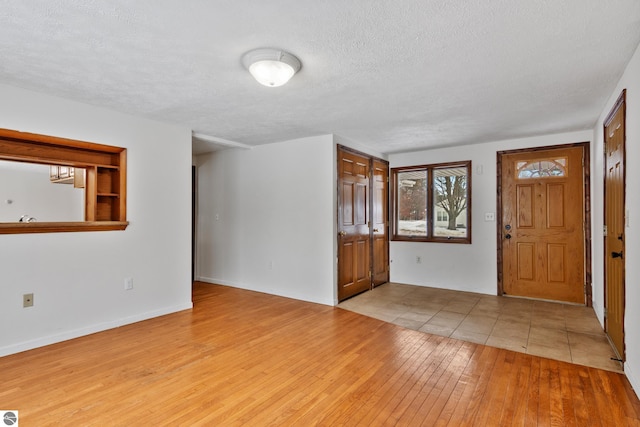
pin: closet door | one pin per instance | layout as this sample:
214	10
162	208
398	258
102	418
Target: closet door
354	242
380	222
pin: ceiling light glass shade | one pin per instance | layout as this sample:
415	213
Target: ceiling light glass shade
271	67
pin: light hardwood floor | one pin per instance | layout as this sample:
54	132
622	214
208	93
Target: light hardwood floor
245	358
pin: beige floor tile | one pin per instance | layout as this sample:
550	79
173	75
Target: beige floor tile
425	309
478	324
447	319
587	326
515	317
548	337
506	329
576	311
467	299
436	330
551	322
417	316
397	307
383	316
556	352
483	311
514	344
517	304
548	307
587	343
596	361
408	323
459	307
470	336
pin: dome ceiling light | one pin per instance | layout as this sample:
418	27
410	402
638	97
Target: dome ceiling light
271	67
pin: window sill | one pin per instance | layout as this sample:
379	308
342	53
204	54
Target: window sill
423	239
60	227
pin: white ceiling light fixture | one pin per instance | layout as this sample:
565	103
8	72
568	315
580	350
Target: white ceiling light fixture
271	67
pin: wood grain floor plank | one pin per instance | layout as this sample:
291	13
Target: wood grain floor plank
242	358
514	409
408	407
473	386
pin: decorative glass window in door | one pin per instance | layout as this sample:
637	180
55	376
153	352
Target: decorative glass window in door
542	168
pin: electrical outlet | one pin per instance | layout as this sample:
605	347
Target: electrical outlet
27	300
128	284
418	260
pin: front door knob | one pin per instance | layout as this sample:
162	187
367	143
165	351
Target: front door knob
616	254
507	236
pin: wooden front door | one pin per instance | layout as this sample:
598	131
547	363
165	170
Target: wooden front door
380	222
354	269
614	208
542	224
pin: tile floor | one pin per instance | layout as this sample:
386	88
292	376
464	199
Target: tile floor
558	331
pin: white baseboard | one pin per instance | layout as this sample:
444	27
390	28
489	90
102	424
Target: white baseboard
632	379
99	327
254	289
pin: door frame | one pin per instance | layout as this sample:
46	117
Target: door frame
586	171
194	218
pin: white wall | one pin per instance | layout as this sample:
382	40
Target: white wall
77	278
266	218
461	267
28	188
631	81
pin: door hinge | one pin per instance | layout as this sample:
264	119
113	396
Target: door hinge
604	230
370	274
606	312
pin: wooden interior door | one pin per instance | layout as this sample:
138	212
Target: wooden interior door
614	208
354	242
542	236
380	222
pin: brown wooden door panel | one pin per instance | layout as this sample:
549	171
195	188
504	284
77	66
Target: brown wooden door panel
614	221
362	268
380	221
354	240
543	224
345	272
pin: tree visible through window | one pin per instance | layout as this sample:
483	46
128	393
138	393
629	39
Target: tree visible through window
431	202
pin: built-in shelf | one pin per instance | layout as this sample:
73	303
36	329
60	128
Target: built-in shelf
59	227
107	205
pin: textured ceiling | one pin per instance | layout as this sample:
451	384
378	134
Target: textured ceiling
391	75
